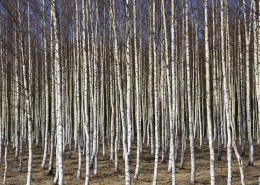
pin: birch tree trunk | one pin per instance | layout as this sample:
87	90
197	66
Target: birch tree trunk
88	80
6	163
208	95
173	109
248	90
151	105
155	83
119	84
46	88
17	99
189	91
20	44
28	100
58	95
128	81
137	94
85	91
53	109
226	94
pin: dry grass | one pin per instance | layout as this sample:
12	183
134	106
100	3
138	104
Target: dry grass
107	176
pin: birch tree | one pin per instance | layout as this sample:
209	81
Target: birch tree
28	104
119	84
58	95
208	100
138	102
155	83
118	74
248	91
189	91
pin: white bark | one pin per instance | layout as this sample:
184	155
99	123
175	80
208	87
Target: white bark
85	90
53	109
119	84
138	102
231	115
112	121
128	81
5	172
46	88
189	91
248	90
17	100
172	93
208	95
117	128
28	101
256	66
150	133
95	93
156	107
22	100
226	95
77	106
58	95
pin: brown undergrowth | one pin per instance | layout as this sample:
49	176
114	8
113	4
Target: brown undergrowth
107	176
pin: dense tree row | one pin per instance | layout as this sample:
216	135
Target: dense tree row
95	76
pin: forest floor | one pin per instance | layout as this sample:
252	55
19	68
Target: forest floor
107	176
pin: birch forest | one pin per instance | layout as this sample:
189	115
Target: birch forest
130	92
